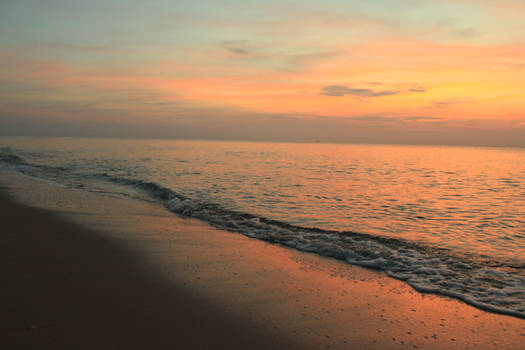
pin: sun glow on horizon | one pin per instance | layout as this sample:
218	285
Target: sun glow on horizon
436	67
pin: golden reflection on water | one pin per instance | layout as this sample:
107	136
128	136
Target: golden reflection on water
471	199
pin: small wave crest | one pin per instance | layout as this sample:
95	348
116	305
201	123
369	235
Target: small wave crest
482	282
10	158
11	161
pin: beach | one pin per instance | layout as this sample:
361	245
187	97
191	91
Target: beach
262	175
91	270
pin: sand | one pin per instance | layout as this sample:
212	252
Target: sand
90	271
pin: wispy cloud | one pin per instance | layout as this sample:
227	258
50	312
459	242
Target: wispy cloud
423	118
341	90
393	119
375	119
447	103
237	47
418	89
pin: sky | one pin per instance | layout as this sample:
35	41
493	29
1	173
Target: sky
448	72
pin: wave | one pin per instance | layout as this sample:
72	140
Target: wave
488	284
10	158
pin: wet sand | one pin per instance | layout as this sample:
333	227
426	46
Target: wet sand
65	287
86	270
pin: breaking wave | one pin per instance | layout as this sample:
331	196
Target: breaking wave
486	283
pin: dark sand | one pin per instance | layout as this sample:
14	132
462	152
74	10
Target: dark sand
141	277
65	287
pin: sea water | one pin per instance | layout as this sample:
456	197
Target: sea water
447	220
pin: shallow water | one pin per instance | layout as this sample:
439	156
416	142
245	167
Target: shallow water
445	219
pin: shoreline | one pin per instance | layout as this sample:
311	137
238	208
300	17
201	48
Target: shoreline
68	287
268	293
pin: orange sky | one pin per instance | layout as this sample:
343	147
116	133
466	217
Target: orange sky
341	71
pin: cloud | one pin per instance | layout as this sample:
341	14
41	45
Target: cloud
447	103
374	119
341	90
423	118
237	47
465	33
418	89
390	119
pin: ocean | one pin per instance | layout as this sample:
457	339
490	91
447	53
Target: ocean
447	220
